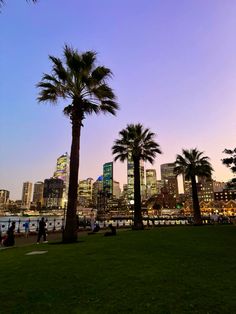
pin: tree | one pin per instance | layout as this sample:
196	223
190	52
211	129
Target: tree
230	162
77	80
191	164
137	143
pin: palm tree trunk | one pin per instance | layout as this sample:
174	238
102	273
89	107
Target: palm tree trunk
196	207
70	232
138	221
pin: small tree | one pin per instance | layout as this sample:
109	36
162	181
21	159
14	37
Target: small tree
137	143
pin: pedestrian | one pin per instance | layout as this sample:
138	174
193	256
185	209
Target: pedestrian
42	231
10	239
26	225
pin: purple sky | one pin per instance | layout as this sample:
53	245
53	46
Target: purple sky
174	65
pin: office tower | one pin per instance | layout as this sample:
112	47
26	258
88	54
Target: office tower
160	185
116	189
130	179
108	178
4	198
38	194
53	193
170	178
26	194
97	191
62	172
85	190
151	182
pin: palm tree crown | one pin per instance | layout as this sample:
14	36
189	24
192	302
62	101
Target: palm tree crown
77	80
138	142
192	163
81	82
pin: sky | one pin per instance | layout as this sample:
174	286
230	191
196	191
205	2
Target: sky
174	66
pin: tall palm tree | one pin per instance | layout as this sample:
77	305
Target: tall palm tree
77	79
136	143
192	164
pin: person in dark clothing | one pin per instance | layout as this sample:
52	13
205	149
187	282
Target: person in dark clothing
110	233
10	239
42	230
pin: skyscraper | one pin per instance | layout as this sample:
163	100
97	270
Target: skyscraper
4	198
26	194
108	178
170	178
62	172
53	192
38	193
130	179
151	182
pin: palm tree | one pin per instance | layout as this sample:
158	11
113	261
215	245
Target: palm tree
191	164
79	81
136	143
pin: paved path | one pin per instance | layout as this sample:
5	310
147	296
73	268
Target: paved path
52	237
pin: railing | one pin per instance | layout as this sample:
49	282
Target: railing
57	224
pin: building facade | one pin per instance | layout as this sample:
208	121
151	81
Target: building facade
38	194
169	178
130	180
108	178
26	194
53	193
62	172
4	198
151	182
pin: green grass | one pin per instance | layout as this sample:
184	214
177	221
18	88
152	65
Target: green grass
162	270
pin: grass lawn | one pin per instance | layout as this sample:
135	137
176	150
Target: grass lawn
163	270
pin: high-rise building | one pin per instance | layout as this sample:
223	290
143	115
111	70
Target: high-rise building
116	189
4	198
130	179
38	194
85	189
53	193
26	194
151	182
62	172
108	178
170	178
97	192
167	171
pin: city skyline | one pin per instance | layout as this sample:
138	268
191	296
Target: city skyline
174	71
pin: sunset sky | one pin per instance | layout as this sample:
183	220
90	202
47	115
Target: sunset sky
174	65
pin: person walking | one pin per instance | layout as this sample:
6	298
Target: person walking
26	225
42	231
